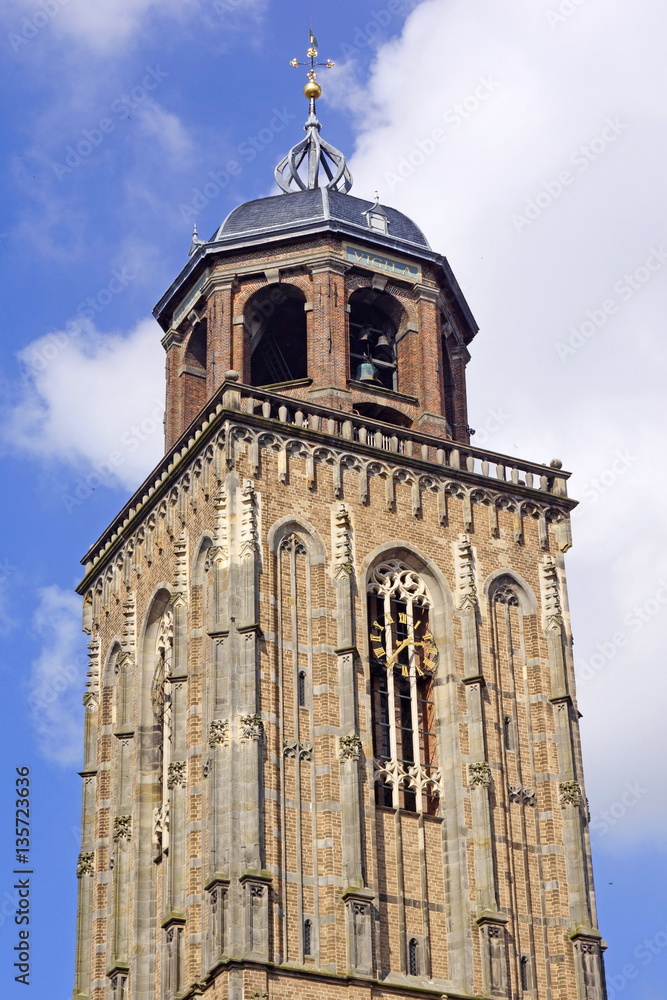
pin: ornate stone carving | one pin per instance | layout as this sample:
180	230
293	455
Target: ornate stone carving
570	793
85	864
465	571
292	748
249	520
177	774
414	777
93	675
122	828
161	825
349	747
251	727
343	557
525	796
218	733
479	773
180	595
553	612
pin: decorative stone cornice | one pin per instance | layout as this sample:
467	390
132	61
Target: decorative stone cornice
299	429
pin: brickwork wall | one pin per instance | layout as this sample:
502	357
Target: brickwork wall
408	859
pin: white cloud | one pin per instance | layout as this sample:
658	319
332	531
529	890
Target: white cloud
92	400
103	26
57	676
468	118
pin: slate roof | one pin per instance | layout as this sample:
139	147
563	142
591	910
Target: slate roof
282	212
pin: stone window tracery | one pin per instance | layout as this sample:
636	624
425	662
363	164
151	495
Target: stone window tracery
403	661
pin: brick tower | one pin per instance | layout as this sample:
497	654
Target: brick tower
331	746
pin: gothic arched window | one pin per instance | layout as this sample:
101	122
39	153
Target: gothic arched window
373	338
403	659
276	323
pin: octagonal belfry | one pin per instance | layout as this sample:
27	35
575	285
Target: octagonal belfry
332	743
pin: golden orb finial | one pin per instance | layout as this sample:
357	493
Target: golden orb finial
312	91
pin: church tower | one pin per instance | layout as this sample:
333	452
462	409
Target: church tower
331	744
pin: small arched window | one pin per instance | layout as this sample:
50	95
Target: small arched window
526	983
413	957
403	661
275	321
308	937
373	338
302	688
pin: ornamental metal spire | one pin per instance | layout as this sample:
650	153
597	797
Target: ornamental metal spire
320	157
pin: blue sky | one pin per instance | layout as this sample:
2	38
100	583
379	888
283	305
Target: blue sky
528	140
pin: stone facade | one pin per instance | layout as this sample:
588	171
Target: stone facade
244	836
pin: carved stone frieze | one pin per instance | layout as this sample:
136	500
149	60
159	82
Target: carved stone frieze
85	864
122	828
570	793
479	773
251	727
350	747
177	774
218	733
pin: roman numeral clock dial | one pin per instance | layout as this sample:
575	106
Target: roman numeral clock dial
398	642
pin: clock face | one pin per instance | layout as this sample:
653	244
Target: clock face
397	641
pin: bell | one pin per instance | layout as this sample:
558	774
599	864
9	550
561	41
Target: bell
383	349
366	372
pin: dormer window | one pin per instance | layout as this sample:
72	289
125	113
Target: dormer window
376	217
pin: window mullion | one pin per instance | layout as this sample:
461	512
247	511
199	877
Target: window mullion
389	640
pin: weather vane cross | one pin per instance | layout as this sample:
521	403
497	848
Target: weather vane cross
312	90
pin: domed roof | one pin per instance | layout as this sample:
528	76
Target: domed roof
313	208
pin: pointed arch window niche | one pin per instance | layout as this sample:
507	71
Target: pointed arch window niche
402	662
